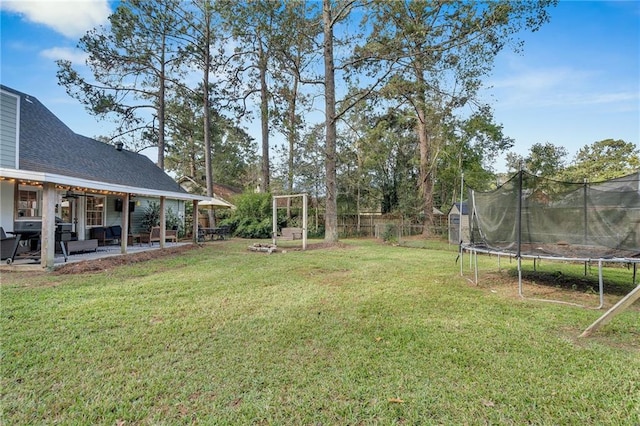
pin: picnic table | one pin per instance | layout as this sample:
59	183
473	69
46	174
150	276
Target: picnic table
216	233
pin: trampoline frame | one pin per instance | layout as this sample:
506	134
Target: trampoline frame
473	260
518	254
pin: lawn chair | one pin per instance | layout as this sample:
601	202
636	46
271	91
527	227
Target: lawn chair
154	236
150	237
171	235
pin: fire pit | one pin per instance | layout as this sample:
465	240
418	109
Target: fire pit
269	248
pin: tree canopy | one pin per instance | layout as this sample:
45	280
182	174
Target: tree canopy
378	102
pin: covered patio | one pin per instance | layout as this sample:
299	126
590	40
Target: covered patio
61	191
50	186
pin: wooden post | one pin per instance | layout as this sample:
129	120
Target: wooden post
304	221
163	222
195	221
48	234
619	307
274	218
125	225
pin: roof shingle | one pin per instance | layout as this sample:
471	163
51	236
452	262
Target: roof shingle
47	145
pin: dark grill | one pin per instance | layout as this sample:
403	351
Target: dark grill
30	230
25	227
63	232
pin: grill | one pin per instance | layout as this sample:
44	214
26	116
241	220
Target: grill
27	227
30	231
63	232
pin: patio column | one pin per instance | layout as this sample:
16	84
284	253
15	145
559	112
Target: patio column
195	221
163	222
81	215
48	236
125	224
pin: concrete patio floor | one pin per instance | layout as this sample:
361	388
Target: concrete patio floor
29	264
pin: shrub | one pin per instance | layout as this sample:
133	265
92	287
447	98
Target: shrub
252	216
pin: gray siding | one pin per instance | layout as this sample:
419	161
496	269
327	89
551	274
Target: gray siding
8	130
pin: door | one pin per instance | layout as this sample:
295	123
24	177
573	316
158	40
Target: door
69	212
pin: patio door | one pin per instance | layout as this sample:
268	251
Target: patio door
69	212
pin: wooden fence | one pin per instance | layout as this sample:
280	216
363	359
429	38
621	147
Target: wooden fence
371	225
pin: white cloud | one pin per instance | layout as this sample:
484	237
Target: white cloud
540	79
71	18
75	56
557	87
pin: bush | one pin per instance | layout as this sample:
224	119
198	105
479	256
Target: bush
252	216
390	233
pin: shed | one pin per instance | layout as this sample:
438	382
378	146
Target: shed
458	213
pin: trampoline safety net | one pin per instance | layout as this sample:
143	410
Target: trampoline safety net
529	215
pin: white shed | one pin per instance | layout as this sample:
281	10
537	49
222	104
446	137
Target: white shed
457	214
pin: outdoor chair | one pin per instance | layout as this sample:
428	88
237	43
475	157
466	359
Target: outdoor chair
154	236
222	232
171	235
106	234
150	237
7	245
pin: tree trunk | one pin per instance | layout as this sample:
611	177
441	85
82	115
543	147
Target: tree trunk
207	109
331	208
292	140
426	172
264	118
161	104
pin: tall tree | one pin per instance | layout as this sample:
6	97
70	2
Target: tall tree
602	160
472	145
435	55
232	149
389	152
185	154
293	54
200	18
333	12
132	62
253	25
542	160
310	166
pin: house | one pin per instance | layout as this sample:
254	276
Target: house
220	192
458	223
50	174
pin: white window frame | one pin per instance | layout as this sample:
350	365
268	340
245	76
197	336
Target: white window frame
97	212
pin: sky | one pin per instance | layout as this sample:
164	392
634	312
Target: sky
576	82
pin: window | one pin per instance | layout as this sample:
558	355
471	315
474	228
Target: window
28	203
95	210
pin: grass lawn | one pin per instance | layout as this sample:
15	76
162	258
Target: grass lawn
364	334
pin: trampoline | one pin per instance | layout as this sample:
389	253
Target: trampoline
530	217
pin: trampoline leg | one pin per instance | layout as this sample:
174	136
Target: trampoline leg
520	293
476	268
601	284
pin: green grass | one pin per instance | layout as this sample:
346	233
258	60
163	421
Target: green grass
362	334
